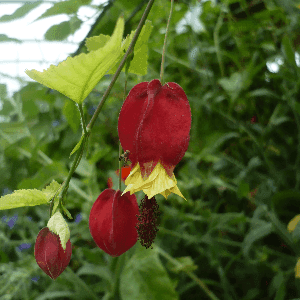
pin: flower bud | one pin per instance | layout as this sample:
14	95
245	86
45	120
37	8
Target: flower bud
49	253
112	222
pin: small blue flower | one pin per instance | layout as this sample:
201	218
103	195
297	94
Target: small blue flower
35	279
12	221
24	246
78	218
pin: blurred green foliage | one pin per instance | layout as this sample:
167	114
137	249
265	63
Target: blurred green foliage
240	175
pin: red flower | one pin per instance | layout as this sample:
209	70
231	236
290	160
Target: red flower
112	222
49	254
125	172
154	125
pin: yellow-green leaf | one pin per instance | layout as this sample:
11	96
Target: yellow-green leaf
77	76
139	64
30	197
77	145
96	42
58	225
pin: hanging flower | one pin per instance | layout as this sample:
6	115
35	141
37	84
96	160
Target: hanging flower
112	222
154	125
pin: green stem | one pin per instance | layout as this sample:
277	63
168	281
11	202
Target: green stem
82	118
164	48
73	167
118	264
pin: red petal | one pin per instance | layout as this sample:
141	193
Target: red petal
49	254
112	221
132	111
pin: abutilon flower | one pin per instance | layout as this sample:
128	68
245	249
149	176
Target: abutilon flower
147	221
154	125
112	222
49	253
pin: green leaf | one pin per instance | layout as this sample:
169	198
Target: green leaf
5	38
51	189
77	76
243	189
96	42
263	93
72	115
261	230
61	31
44	174
232	85
30	109
151	280
31	197
62	7
20	12
58	225
67	212
13	132
77	145
288	51
139	64
186	264
58	32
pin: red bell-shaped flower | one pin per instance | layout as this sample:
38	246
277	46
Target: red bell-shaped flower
112	222
154	125
49	253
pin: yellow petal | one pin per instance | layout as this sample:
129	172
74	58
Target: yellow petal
293	223
157	183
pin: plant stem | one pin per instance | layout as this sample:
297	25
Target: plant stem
73	167
82	118
164	48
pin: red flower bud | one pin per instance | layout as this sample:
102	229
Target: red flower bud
154	125
49	253
125	172
112	222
